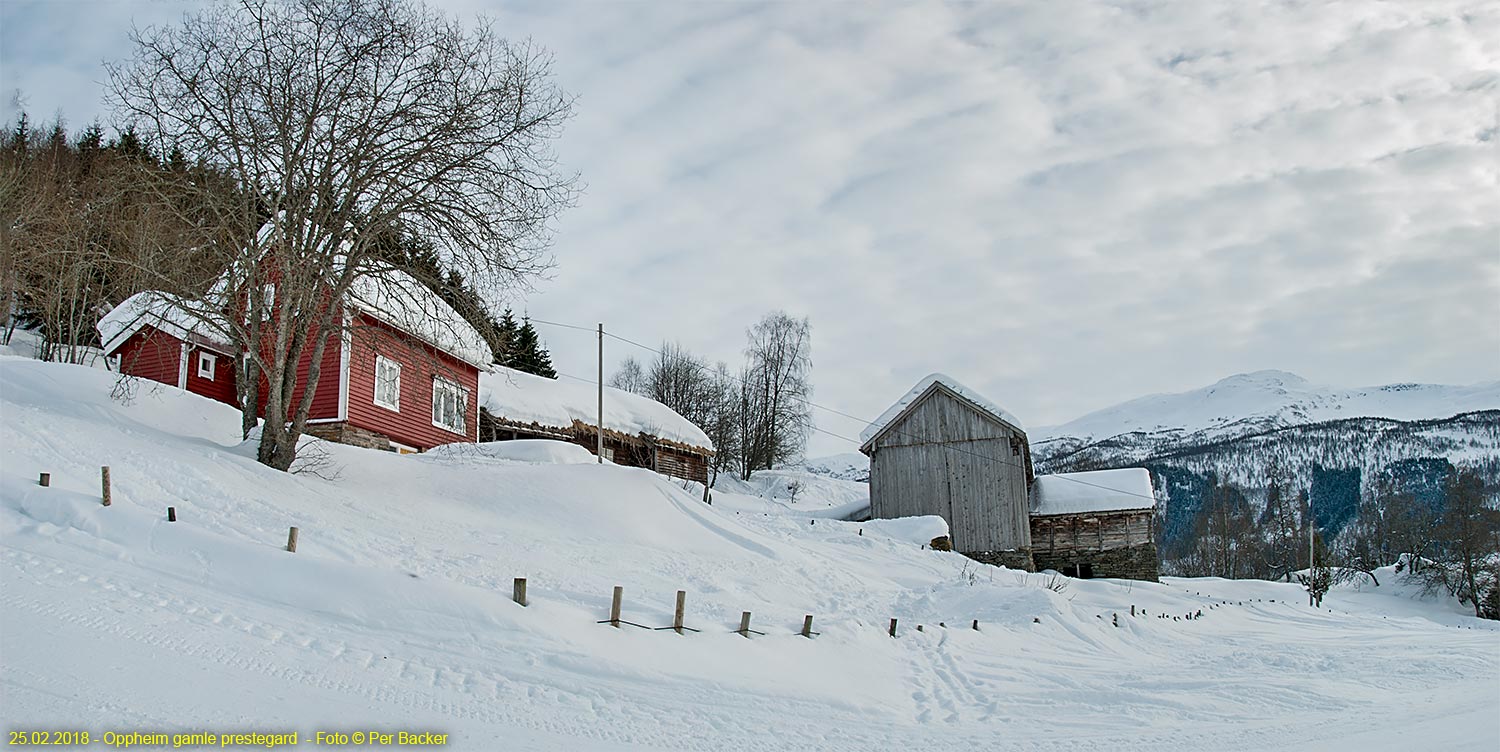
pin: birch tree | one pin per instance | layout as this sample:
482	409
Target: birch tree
775	415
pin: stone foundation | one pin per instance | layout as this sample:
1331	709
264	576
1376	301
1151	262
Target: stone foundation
343	433
1016	559
1130	563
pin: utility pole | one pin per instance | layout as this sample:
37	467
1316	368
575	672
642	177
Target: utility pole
600	427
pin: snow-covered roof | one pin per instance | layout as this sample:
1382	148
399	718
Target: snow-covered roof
398	299
875	428
168	313
1095	491
521	397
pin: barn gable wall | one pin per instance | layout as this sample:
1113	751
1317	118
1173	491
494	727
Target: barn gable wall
944	457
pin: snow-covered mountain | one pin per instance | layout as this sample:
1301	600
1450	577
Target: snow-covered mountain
1256	402
1331	441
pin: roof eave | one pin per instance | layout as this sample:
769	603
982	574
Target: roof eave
868	447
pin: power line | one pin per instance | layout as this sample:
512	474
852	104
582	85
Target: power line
589	329
804	400
810	403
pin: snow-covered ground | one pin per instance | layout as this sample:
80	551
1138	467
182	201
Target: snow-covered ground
791	491
395	611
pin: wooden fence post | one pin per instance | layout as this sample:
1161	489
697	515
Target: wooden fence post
807	626
893	627
677	614
1132	610
44	480
614	607
171	514
104	479
518	591
745	624
976	625
291	540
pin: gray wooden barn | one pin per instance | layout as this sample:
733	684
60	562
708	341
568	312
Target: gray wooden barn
944	450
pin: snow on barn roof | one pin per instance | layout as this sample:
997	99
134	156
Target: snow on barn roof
162	311
398	299
1095	491
521	397
874	429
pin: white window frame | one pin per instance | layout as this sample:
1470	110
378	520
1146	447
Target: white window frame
383	362
207	359
440	384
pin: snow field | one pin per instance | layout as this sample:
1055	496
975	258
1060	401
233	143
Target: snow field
395	612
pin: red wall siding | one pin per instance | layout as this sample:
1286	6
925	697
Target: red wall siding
151	354
326	398
221	387
419	365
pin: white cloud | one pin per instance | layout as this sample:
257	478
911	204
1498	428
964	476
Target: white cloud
1064	204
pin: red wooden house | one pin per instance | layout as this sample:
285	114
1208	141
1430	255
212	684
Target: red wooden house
402	374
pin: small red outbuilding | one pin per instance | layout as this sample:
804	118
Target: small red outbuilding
401	375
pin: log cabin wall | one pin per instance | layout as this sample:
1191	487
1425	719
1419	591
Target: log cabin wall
681	464
1091	531
1110	544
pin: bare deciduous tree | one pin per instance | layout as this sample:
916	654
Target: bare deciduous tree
344	122
723	423
630	377
1282	527
1469	534
679	380
76	229
775	415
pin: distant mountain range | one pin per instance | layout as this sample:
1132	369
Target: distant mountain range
1328	441
1246	405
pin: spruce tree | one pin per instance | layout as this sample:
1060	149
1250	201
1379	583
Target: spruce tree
505	352
531	355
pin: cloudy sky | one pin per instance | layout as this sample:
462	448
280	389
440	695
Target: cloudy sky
1062	204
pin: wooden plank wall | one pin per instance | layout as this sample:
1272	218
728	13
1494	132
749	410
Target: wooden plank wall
680	464
1096	531
946	458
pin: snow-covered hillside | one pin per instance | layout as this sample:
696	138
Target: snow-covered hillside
846	466
1262	400
395	612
